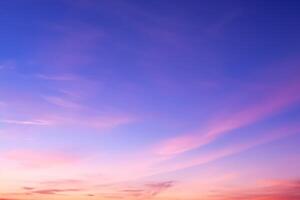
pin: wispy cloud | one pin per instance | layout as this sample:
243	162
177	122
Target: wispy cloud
36	159
108	121
2	104
54	191
38	122
102	122
64	77
28	188
273	103
62	102
268	136
63	182
146	191
8	64
287	190
9	199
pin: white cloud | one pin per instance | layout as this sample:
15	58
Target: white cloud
27	122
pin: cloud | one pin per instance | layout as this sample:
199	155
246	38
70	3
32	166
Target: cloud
51	191
108	121
54	191
62	102
148	190
2	104
65	77
271	104
159	187
159	166
57	186
9	199
28	188
287	190
38	122
9	64
36	159
63	182
104	122
144	190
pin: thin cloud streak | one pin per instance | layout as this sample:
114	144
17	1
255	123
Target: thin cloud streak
53	191
35	159
57	77
287	190
62	102
274	103
154	166
39	122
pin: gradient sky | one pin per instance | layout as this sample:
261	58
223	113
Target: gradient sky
149	100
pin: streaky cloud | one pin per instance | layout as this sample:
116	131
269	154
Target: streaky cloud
30	159
287	190
272	103
39	122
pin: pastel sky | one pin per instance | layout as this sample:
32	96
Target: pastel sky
149	100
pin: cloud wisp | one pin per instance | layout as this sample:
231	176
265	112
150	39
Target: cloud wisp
38	122
273	103
35	159
287	190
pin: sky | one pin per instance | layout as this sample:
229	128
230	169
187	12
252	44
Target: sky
149	100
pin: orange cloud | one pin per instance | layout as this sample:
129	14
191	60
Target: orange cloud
146	191
54	191
8	199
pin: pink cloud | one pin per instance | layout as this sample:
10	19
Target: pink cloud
95	122
28	188
146	191
63	183
54	191
287	190
271	104
38	122
269	136
36	159
8	199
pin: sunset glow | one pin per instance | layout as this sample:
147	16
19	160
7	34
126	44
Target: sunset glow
149	100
